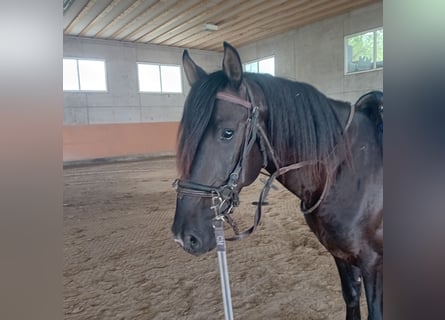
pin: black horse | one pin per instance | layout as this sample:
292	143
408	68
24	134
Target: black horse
326	152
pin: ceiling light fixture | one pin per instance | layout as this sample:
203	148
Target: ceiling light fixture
210	27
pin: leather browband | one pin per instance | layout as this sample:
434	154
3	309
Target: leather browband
233	99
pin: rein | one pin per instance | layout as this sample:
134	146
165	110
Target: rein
226	197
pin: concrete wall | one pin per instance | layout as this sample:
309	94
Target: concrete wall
123	103
123	121
315	54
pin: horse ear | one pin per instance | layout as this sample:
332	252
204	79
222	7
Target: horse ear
232	65
193	72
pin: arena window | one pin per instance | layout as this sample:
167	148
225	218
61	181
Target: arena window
266	65
159	78
84	75
364	51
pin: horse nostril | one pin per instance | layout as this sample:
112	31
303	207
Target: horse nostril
191	242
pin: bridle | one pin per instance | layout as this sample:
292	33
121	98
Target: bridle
225	197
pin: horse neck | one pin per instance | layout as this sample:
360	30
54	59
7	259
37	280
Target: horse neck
301	182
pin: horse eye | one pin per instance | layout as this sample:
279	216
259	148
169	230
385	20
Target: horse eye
227	134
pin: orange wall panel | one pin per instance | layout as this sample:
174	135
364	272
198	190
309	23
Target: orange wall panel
81	142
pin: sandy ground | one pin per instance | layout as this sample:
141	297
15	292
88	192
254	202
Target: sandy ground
120	261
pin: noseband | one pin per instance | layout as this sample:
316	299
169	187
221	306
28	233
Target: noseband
226	197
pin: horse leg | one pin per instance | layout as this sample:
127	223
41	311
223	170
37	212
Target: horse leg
351	288
373	282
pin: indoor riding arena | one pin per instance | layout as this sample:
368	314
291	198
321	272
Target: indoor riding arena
124	94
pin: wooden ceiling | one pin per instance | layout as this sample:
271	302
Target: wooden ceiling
180	23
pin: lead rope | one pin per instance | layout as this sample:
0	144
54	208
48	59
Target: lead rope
223	269
218	225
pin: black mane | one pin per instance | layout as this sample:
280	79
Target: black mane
302	123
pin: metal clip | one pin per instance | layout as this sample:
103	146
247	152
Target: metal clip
175	184
216	202
254	112
233	181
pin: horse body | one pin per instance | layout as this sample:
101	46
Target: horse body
301	124
357	197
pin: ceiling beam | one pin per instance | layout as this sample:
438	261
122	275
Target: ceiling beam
157	21
229	22
229	31
200	12
278	27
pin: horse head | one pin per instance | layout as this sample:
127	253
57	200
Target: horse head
218	150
